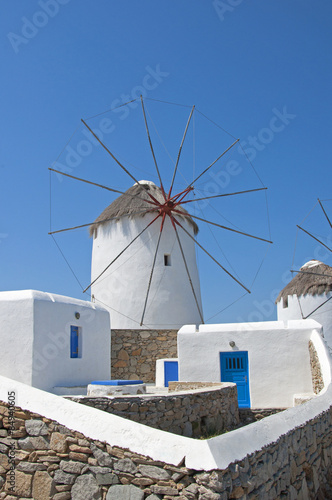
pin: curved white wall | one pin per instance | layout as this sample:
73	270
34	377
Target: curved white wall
209	454
123	287
308	304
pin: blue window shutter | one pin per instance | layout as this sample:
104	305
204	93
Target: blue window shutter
74	341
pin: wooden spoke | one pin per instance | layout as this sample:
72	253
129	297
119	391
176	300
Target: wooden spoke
225	194
325	212
179	153
100	185
223	227
188	274
117	161
150	279
215	161
322	304
314	237
109	265
308	272
94	223
225	270
152	150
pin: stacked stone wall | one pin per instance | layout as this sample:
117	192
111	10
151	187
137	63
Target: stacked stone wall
316	372
42	459
134	352
198	413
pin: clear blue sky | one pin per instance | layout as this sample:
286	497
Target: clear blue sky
261	70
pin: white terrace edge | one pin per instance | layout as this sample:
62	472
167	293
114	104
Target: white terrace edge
215	453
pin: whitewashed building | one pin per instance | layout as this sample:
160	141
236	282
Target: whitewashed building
309	295
269	361
123	238
54	343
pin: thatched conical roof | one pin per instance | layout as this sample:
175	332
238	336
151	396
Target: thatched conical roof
316	279
134	204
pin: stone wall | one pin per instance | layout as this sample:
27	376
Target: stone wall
42	459
196	413
134	352
317	379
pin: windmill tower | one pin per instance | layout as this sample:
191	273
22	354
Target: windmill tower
309	295
143	270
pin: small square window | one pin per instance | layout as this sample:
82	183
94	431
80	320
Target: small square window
285	303
167	259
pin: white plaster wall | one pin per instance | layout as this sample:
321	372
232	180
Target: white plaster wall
308	304
16	335
124	285
279	361
52	364
35	339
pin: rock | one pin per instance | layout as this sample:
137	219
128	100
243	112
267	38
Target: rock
153	472
124	492
63	487
125	465
237	492
78	457
2	482
3	448
43	487
36	428
80	449
4	462
65	495
58	442
123	355
102	457
33	443
142	481
63	477
30	467
192	489
99	470
22	484
107	479
85	488
152	497
164	490
71	466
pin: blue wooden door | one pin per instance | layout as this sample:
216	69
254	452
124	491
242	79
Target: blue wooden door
171	372
234	368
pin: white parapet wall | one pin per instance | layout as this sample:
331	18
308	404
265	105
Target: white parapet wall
279	360
35	340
